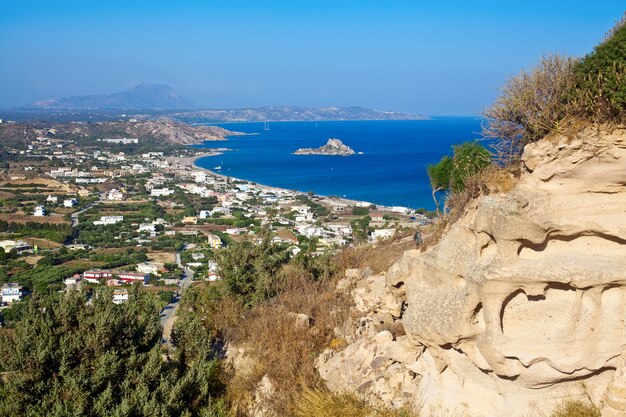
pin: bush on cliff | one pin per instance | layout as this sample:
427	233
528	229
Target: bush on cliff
600	90
452	173
531	105
536	103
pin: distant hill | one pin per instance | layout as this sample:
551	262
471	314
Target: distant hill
143	97
293	113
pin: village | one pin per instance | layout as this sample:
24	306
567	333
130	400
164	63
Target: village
76	213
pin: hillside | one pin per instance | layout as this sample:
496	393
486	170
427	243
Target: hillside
161	129
294	113
520	303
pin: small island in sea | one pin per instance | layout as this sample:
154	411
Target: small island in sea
332	147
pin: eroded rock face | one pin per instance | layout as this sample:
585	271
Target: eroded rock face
523	301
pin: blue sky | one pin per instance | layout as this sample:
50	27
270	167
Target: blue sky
431	57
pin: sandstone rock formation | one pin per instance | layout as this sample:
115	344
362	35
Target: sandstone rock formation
332	147
520	305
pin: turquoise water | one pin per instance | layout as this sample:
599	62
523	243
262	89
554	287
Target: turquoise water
391	171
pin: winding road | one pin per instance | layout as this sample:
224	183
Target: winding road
168	315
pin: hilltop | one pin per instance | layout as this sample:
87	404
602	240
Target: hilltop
142	97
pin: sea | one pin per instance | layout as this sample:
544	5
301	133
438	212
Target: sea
389	170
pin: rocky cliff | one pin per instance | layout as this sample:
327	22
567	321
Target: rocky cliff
520	305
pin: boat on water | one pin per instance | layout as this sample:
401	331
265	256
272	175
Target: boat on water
217	167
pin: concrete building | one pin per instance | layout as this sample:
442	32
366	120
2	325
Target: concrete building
106	220
130	277
158	192
18	245
120	295
214	241
40	211
11	292
95	275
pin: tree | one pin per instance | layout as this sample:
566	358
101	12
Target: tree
439	175
250	271
469	159
452	173
67	357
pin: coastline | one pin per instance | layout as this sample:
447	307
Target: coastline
191	162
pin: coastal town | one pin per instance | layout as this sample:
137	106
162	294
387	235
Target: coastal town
114	211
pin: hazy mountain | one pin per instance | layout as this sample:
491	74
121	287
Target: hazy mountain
144	96
293	113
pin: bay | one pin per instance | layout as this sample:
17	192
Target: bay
390	171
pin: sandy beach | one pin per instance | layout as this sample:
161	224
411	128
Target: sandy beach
191	164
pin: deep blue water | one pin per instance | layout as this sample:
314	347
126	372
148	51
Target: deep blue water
391	171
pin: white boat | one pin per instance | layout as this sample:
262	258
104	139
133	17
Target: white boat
218	167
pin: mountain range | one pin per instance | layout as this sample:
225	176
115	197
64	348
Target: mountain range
161	99
142	97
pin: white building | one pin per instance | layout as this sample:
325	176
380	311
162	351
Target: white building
11	292
214	241
73	281
158	192
115	195
147	227
204	214
70	202
148	268
106	220
304	218
381	234
120	295
52	199
199	177
125	141
19	246
40	211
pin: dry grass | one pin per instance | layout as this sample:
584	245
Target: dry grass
320	403
433	233
284	351
42	243
378	258
162	257
24	218
495	180
576	409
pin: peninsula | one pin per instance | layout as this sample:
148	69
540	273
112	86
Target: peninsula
332	147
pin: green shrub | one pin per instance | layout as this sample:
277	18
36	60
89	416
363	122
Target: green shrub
600	91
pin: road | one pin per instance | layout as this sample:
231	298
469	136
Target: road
74	216
168	315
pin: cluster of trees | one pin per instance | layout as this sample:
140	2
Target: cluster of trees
250	271
57	232
70	357
317	209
